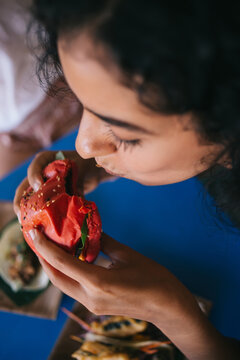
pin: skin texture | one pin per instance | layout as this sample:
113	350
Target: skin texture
169	151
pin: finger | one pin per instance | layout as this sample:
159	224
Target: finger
114	249
61	281
36	167
18	195
66	284
66	263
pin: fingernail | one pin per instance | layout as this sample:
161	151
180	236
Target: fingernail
19	216
33	234
36	185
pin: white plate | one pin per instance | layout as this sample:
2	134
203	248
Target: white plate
9	235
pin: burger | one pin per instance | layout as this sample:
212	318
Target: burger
64	217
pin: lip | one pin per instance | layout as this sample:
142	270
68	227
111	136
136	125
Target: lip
109	171
112	173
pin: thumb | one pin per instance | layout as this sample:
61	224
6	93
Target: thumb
36	167
114	249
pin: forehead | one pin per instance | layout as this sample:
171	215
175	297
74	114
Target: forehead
91	79
99	86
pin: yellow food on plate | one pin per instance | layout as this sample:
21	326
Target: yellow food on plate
120	338
119	326
91	350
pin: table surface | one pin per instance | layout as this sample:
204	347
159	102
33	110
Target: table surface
176	225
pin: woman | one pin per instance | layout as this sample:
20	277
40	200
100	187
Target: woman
159	86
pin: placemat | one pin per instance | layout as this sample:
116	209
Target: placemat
46	305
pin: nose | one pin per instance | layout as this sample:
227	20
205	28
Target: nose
91	140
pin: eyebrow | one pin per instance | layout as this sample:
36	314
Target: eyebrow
120	123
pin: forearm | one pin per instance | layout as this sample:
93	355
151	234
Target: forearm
196	337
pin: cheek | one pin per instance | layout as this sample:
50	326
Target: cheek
145	158
163	154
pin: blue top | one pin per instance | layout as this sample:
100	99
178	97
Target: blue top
176	225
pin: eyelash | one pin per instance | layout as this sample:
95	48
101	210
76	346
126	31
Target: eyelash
125	143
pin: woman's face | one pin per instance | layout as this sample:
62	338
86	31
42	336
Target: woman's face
125	137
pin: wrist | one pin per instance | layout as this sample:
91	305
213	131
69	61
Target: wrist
194	335
173	302
180	318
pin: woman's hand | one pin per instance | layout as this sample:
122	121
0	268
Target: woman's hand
89	176
132	285
138	287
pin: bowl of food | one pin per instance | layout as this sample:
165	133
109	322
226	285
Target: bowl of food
21	275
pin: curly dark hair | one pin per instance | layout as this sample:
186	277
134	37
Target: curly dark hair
186	51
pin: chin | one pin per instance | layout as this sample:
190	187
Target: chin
160	181
143	181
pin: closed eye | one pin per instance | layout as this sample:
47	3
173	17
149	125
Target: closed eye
121	142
